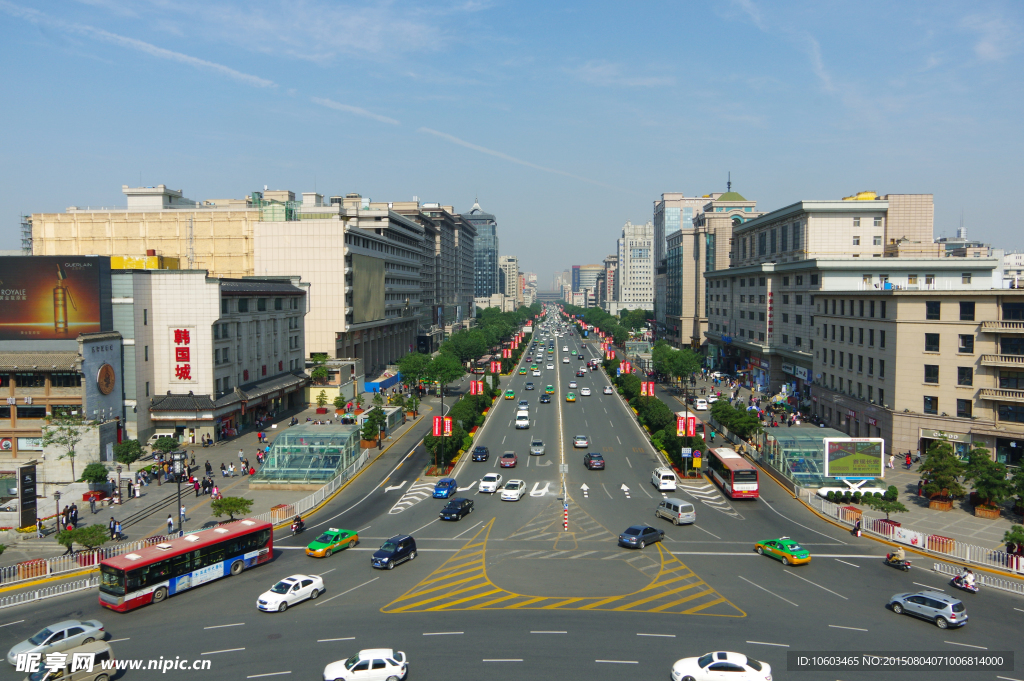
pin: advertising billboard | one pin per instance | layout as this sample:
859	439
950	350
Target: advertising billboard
854	458
51	297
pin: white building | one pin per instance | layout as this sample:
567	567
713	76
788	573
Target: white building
508	276
636	267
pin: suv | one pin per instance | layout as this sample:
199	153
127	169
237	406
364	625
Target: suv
398	549
935	606
593	461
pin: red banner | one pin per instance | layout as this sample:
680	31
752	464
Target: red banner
680	426
472	387
447	425
438	426
495	367
643	389
626	366
691	426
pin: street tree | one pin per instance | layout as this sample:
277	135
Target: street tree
413	367
444	369
92	537
94	473
165	444
64	432
942	469
128	452
319	375
230	506
884	505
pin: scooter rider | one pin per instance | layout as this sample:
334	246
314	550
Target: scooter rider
967	577
899	555
298	525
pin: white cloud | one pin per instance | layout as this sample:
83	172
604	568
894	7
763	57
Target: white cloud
37	17
818	64
753	12
997	37
600	72
348	108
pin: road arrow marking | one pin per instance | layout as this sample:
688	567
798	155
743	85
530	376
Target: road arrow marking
625	489
398	486
464	489
539	492
586	490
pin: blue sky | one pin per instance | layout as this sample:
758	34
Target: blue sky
566	119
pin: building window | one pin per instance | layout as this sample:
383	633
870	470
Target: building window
881	338
799	341
911	280
876	240
965	278
762	243
931	373
785	240
881	369
785	318
860	364
963	409
966	311
1011	380
278	303
261	304
760	336
965	375
842	334
799	300
814	280
871	393
147	388
856	222
31	380
243	304
931	342
66	380
145	353
833	358
785	339
31	412
860	336
931	404
799	319
785	299
224	309
1013	413
760	316
841	355
760	299
799	280
932	309
856	241
881	305
878	222
761	281
871	338
871	366
967	343
145	317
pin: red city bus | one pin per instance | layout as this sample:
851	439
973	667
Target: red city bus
736	476
152	574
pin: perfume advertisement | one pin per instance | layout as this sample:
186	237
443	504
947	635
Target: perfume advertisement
50	297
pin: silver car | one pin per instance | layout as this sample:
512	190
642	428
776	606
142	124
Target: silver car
537	448
59	637
934	606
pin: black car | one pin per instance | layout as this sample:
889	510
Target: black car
457	509
639	536
580	356
398	549
529	385
481	453
593	461
545	398
581	373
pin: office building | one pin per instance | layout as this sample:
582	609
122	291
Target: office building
509	267
588	275
672	212
635	289
485	251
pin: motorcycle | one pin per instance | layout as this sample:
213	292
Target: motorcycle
297	528
900	564
958	582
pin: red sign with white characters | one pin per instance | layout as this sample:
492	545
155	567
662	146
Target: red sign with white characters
447	425
181	346
438	426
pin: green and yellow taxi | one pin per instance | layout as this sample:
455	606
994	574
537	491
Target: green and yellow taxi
330	541
510	394
570	397
785	550
550	390
522	371
533	367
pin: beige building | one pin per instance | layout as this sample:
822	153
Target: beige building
508	276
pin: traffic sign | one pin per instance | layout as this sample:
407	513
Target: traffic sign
687	452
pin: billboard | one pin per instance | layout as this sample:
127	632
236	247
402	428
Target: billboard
367	289
51	297
854	458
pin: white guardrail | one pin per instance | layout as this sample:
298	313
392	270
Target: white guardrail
982	579
83	560
49	591
933	543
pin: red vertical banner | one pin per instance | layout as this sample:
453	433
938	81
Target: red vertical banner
447	425
680	426
472	387
643	389
650	388
691	426
438	426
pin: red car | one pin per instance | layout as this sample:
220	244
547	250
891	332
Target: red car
508	460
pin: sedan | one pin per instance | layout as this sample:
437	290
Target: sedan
536	372
712	398
700	404
550	365
608	390
481	453
593	461
639	536
529	385
565	360
565	348
580	356
581	373
522	371
585	392
330	541
785	550
524	405
508	460
456	509
513	490
545	399
549	389
580	442
58	637
510	394
445	487
490	483
721	665
537	448
289	591
376	664
570	397
572	384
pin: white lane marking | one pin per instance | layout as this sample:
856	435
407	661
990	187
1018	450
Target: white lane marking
221	626
465	531
703	530
503	439
444	633
327	600
766	591
417	492
398	486
850	564
504	659
659	635
838	626
761	499
216	652
468	487
549	632
928	586
427	525
290	548
327	573
627	461
258	676
539	492
617	438
580	555
606	490
364	529
965	645
606	410
10	623
1017	609
765	643
788	572
618	661
115	640
1008	678
644	490
326	640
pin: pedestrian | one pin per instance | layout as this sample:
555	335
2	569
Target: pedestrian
182	513
74	515
920	486
192	462
39	528
117	531
856	528
110	526
170	524
231	470
92	503
240	454
216	492
892	457
223	470
908	461
131	488
196	485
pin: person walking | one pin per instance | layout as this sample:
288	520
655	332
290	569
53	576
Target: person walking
209	468
92	503
170	524
110	526
908	461
892	457
74	515
920	487
39	528
117	531
181	512
241	454
195	484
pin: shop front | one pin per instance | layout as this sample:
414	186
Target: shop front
760	372
1009	451
961	441
796	387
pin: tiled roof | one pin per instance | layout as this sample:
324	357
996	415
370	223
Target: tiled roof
255	286
178	402
39	361
250	391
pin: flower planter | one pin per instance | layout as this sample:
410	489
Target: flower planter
410	414
989	512
367	444
358	411
321	410
940	505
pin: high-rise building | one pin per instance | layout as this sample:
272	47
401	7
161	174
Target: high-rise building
485	251
509	266
636	267
588	275
611	266
672	212
575	278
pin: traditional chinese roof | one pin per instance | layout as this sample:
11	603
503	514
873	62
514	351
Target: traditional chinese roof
179	402
39	361
249	287
244	393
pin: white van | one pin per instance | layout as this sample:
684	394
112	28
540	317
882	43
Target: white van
676	510
664	479
522	419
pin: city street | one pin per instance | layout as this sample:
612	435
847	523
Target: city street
507	592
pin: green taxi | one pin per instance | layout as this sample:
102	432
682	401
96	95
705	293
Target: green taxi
783	549
550	390
330	541
570	397
510	394
522	371
533	367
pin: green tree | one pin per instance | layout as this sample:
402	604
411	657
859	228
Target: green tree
413	405
64	432
884	505
988	478
1017	483
230	506
165	444
319	374
620	335
340	402
444	369
378	399
94	473
128	452
359	401
1014	535
92	537
398	400
321	399
942	469
413	367
65	538
373	423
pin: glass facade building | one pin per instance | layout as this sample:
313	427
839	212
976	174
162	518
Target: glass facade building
485	252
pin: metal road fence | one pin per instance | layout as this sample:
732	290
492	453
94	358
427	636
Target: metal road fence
983	579
49	591
933	543
48	567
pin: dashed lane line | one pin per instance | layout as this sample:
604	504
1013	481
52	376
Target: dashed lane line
765	643
789	572
344	638
227	650
767	591
839	626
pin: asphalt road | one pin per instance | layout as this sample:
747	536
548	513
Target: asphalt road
506	592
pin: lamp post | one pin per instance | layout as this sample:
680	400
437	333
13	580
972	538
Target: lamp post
179	458
56	498
117	492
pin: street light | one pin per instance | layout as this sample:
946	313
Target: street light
117	493
178	458
56	498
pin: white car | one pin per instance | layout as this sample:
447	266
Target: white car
608	390
290	591
565	348
513	490
721	665
375	664
490	483
585	392
565	360
712	398
572	384
536	372
700	404
551	366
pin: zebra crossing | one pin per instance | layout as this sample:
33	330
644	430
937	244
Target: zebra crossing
709	495
416	493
